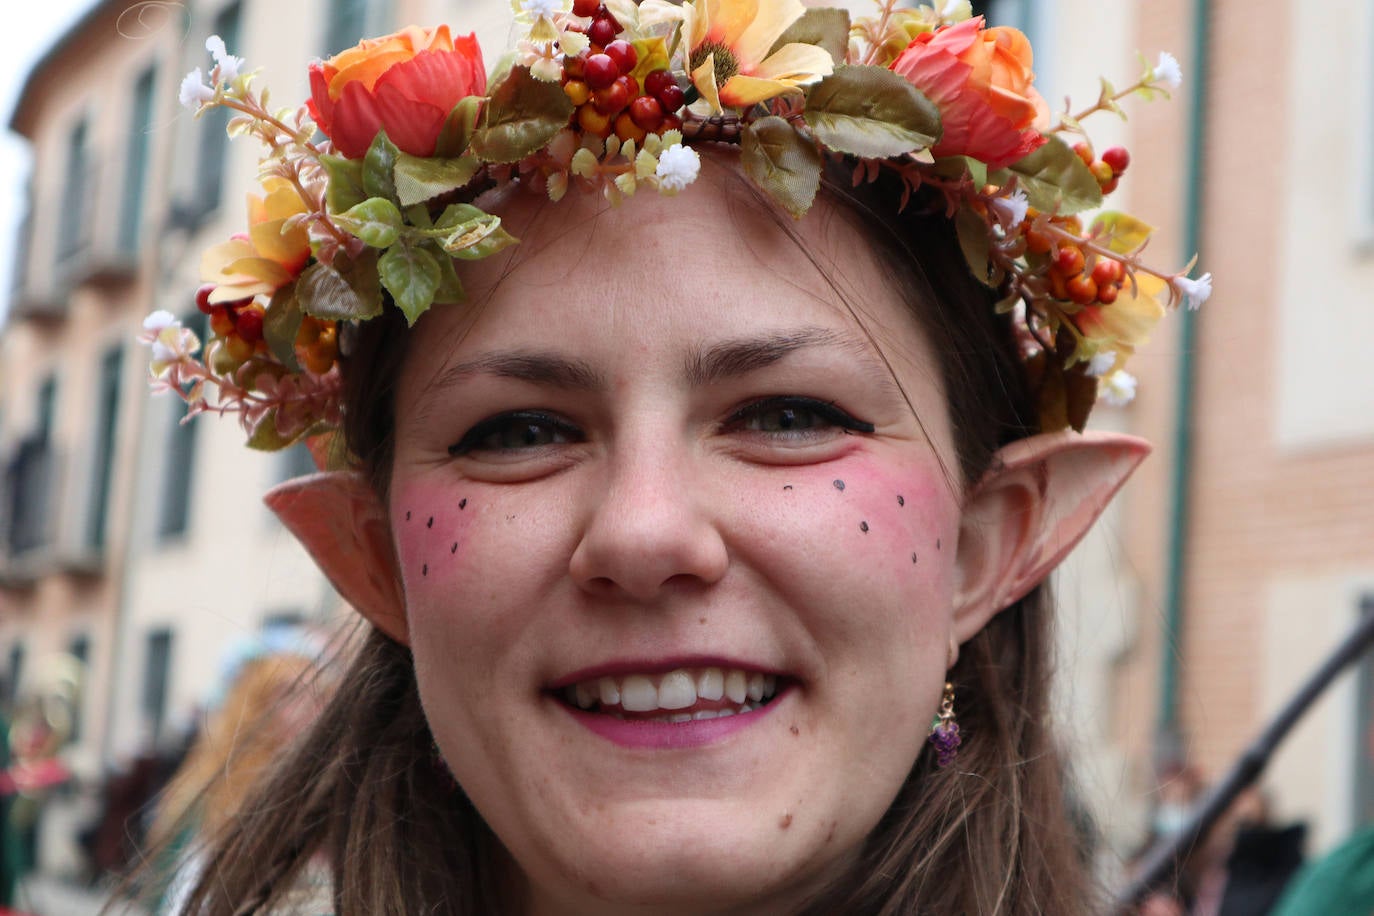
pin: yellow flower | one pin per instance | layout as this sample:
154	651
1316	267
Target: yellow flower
729	41
1127	322
265	259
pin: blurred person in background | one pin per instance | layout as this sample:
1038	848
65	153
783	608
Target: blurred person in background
270	690
1239	868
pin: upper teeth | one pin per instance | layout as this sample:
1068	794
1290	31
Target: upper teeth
678	689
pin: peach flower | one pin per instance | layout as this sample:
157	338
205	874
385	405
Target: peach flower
405	83
980	79
268	257
729	45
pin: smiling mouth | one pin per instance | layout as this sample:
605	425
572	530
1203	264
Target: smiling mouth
681	695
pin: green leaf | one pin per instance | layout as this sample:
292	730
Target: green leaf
782	162
418	216
450	287
1054	178
325	292
361	274
376	221
825	28
872	113
280	325
477	238
522	115
419	180
457	213
977	171
412	276
1124	233
379	166
457	130
265	437
973	241
956	167
345	182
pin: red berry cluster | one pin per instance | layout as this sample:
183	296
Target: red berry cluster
608	98
1107	170
239	325
1075	276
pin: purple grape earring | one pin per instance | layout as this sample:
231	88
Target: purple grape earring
944	732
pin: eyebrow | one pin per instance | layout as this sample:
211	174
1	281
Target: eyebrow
732	358
537	367
717	362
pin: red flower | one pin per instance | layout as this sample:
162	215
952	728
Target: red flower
980	79
405	84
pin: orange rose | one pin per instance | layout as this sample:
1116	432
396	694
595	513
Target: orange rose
980	79
405	84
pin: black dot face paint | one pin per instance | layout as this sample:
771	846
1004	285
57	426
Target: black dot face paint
430	523
900	501
937	543
787	486
454	548
913	558
839	485
863	526
407	515
462	504
424	570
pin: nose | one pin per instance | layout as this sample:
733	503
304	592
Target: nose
649	531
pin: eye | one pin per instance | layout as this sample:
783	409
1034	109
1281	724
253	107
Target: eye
517	431
794	417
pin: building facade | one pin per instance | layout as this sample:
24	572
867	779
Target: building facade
1277	536
128	539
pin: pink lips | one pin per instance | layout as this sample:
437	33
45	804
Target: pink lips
658	735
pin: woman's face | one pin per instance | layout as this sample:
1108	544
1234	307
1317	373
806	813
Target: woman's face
678	556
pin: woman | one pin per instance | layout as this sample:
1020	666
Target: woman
679	522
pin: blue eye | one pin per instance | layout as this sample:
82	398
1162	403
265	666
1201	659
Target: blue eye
794	416
510	432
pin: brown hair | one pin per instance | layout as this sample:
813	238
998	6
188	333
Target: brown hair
990	834
241	740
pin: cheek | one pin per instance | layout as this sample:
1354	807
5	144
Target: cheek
434	527
865	520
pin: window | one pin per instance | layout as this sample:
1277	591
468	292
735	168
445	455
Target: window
214	142
28	479
157	668
103	453
80	649
296	461
345	25
14	673
24	246
76	192
136	163
282	620
1015	13
180	456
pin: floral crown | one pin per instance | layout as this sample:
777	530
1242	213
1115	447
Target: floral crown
609	96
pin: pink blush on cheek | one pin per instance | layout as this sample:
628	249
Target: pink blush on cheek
905	516
430	527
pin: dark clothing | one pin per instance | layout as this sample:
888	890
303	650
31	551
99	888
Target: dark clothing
1260	866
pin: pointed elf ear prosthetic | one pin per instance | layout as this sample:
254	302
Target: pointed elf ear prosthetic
1037	501
343	526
